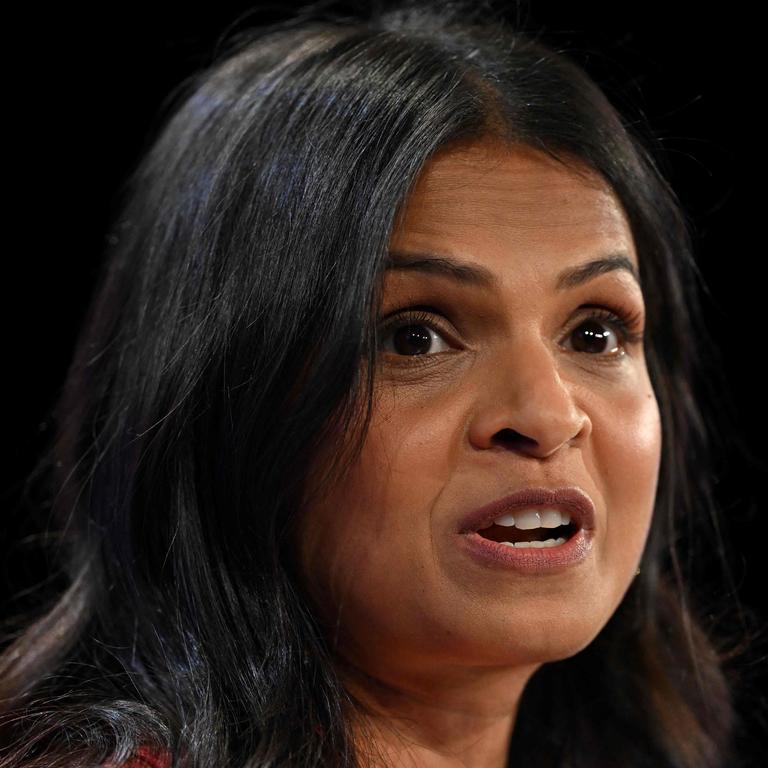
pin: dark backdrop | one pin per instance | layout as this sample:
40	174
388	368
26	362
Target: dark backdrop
84	87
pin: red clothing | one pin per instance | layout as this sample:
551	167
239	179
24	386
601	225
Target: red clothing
145	757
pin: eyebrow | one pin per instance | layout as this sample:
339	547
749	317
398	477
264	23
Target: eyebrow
479	276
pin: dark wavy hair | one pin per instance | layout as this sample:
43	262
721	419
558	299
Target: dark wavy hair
230	336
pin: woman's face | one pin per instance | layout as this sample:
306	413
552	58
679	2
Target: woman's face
500	398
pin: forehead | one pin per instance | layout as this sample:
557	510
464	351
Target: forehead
512	200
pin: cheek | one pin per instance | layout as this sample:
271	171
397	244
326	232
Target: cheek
367	544
627	453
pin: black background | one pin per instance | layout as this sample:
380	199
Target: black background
83	91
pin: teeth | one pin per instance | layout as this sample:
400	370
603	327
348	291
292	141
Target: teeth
527	519
534	544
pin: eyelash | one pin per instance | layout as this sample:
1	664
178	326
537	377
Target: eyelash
624	323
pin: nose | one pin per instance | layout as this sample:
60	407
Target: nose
525	405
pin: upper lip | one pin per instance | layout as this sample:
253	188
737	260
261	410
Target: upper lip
570	499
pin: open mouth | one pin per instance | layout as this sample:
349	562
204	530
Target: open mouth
514	535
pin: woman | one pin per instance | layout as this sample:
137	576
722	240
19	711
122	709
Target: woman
373	278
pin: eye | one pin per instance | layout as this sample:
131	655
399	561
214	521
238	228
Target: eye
603	333
606	334
411	334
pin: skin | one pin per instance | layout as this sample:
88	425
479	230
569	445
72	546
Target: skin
438	647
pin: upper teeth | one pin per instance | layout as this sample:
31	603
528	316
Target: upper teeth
526	519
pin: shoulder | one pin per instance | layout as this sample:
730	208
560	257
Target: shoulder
145	757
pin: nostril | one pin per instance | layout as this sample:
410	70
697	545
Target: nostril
510	438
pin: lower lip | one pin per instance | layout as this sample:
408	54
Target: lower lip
492	554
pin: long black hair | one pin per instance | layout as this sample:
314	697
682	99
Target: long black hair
233	333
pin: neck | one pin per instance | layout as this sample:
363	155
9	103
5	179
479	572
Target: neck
462	718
